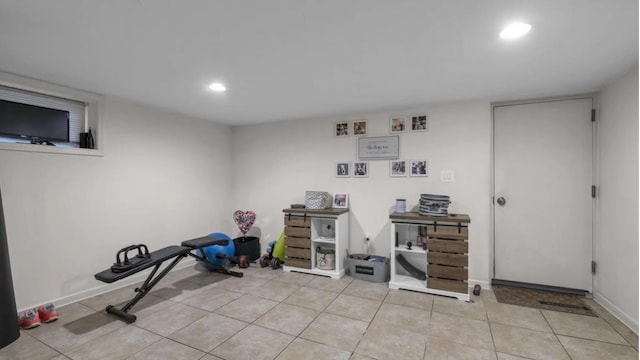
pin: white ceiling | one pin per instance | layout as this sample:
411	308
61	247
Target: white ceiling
302	59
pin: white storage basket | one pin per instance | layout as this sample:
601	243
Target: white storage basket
317	200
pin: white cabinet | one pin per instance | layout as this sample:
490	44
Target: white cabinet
437	260
316	241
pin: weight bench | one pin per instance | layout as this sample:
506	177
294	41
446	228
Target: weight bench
126	267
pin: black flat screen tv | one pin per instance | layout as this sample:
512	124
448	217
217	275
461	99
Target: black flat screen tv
33	122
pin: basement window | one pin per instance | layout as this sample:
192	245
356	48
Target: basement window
41	117
28	117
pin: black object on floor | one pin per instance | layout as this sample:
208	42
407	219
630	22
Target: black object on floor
541	299
156	259
10	330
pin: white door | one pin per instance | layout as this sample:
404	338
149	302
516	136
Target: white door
543	163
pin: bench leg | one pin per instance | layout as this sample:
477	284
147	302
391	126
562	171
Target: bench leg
148	284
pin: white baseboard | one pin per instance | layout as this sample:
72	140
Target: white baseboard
631	323
98	290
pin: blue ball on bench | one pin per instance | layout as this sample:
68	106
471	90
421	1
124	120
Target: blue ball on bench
210	252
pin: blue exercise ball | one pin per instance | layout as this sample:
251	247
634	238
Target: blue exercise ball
210	252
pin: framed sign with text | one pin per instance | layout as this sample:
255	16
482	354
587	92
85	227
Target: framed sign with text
379	147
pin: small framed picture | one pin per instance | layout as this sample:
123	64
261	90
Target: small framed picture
397	124
360	127
343	169
360	169
419	123
341	200
419	168
341	129
397	168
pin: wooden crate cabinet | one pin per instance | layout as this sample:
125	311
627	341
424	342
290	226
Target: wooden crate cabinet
445	260
305	231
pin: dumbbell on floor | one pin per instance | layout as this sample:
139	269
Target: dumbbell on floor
273	262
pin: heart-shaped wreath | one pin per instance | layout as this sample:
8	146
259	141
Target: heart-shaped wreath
244	220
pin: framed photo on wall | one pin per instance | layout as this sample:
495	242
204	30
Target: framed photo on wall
341	200
419	168
360	169
341	129
419	123
397	124
398	168
360	127
343	169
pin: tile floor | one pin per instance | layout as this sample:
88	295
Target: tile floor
271	314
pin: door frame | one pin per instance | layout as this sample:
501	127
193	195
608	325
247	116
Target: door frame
595	105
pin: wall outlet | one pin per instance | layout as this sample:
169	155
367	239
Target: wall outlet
446	175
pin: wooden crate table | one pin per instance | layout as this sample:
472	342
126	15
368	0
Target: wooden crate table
444	260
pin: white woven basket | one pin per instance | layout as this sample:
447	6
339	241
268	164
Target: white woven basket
317	200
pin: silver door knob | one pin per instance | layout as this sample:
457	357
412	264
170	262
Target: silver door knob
501	201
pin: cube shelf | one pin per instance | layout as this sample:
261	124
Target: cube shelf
308	230
438	259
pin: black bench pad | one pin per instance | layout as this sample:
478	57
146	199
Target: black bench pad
157	257
199	243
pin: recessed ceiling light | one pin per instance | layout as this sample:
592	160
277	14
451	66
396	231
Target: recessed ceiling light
218	87
515	30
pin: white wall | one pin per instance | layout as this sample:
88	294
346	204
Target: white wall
164	178
274	164
616	250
